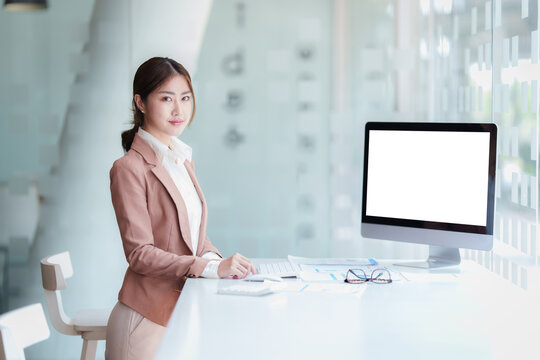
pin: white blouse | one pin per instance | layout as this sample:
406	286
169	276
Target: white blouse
172	158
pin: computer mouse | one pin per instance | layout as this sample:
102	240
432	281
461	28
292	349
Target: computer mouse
262	277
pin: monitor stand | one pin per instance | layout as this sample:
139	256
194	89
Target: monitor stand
439	257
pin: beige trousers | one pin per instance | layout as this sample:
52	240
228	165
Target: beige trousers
131	336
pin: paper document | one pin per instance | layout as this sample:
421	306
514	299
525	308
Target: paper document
324	269
429	277
325	275
331	261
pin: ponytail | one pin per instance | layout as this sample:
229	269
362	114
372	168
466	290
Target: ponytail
129	135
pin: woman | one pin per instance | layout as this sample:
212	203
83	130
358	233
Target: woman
161	213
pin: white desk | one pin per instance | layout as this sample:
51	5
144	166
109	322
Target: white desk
478	317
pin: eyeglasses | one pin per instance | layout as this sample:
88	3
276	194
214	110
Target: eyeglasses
378	276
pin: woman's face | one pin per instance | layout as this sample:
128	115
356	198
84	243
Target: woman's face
167	109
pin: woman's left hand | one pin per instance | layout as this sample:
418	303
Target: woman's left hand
236	266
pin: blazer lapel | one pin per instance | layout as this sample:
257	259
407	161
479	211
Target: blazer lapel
163	176
202	228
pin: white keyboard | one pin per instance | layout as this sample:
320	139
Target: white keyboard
279	268
243	288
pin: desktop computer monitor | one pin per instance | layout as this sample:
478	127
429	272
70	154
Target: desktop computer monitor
430	183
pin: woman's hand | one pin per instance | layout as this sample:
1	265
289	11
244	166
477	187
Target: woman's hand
236	266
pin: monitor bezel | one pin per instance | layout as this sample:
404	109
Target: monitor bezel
433	126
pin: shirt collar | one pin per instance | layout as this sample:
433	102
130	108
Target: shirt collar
176	147
181	148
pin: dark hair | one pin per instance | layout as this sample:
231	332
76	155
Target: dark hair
149	76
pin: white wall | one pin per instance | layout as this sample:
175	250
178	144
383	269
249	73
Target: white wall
41	55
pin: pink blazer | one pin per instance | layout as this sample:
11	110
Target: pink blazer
154	227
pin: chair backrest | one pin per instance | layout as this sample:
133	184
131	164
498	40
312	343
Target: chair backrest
21	328
55	269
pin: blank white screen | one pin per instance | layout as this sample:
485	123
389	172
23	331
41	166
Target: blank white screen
428	175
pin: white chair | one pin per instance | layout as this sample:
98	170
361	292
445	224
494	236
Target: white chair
91	325
21	328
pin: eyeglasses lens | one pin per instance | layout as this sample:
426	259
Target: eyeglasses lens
356	276
381	276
